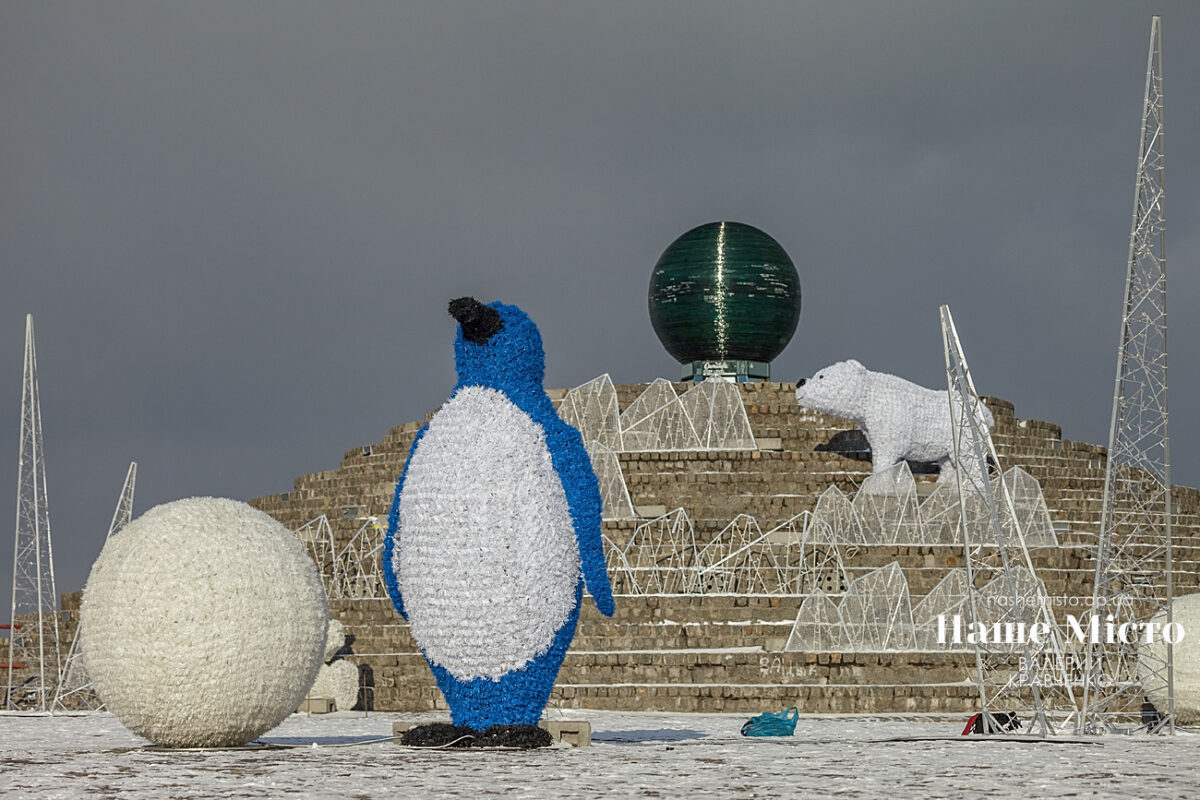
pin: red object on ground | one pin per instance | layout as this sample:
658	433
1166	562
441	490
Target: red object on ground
970	724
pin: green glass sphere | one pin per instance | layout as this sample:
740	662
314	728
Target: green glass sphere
724	290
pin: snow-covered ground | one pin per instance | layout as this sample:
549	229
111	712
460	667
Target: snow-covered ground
632	755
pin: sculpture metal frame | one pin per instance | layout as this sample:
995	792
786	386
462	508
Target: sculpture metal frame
75	684
1134	554
1030	676
33	591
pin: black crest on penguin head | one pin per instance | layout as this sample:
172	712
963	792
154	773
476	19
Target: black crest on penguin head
479	322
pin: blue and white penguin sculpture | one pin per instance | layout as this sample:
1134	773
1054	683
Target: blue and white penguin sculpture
495	527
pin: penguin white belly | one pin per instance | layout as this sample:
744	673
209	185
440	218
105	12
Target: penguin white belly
486	557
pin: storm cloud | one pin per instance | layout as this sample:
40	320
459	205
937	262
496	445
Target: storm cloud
237	224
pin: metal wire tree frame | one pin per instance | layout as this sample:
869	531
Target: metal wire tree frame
33	646
360	563
797	556
821	567
1133	581
945	599
741	559
718	416
708	416
877	611
614	493
317	537
1031	676
74	691
620	574
661	556
886	505
819	627
592	409
873	614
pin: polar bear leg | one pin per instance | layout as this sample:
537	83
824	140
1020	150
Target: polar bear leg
885	453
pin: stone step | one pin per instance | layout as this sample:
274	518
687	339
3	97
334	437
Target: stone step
650	636
715	667
753	699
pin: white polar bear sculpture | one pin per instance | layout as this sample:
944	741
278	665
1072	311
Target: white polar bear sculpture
900	419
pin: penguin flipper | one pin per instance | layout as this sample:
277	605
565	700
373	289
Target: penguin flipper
582	489
389	541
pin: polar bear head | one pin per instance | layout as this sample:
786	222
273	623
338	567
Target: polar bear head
840	389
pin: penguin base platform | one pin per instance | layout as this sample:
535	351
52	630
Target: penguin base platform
446	735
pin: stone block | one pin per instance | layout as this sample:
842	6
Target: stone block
316	705
575	732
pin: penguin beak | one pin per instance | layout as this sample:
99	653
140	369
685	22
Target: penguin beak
479	322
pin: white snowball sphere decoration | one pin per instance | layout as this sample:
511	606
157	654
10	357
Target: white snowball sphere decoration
337	682
1185	614
335	638
203	623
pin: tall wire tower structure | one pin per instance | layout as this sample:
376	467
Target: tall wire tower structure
33	649
1027	677
1133	581
74	692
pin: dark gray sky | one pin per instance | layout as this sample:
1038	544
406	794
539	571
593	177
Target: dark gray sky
238	224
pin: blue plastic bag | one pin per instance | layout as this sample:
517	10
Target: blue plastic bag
782	723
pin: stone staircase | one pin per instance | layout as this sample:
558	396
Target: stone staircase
723	652
684	653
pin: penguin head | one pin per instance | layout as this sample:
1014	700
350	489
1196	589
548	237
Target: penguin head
497	345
